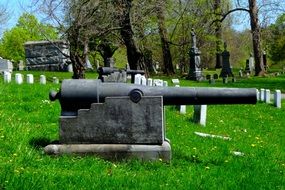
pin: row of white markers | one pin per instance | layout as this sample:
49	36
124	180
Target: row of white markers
264	95
19	78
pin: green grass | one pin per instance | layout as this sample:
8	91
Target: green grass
28	122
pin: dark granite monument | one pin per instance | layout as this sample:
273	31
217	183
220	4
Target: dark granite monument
46	55
226	67
195	69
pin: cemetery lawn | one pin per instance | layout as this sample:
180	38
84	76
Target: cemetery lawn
29	121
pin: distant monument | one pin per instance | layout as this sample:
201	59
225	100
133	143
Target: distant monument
195	70
226	67
6	65
46	55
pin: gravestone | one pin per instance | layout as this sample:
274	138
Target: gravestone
251	64
264	57
19	78
247	69
46	55
138	79
200	114
6	65
226	67
55	80
43	79
267	96
277	99
30	79
195	69
262	92
149	82
7	77
143	81
21	65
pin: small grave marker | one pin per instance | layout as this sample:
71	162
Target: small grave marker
200	113
7	77
277	99
267	96
43	79
19	78
30	79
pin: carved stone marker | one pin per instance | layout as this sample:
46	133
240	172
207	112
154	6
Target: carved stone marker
120	125
226	69
195	69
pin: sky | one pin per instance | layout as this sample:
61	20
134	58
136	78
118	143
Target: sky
17	7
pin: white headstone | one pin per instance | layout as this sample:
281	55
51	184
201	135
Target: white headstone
257	95
200	114
19	78
277	99
251	65
267	96
157	82
21	65
262	91
138	78
165	83
55	80
7	77
175	81
70	68
30	79
6	65
149	81
143	80
43	79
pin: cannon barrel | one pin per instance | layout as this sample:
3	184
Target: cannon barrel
81	93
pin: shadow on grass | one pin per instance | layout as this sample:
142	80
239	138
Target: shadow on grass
41	142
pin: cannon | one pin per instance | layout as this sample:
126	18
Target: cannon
109	70
80	94
120	120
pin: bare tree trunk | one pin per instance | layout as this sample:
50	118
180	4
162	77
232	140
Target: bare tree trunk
218	33
135	56
256	37
167	59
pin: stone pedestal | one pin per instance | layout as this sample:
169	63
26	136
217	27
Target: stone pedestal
226	69
117	127
195	70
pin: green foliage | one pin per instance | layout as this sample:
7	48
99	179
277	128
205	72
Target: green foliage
28	28
276	42
29	121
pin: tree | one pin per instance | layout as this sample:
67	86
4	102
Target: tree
276	41
253	11
27	29
167	59
4	15
135	56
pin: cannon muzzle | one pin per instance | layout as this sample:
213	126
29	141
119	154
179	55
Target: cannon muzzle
81	93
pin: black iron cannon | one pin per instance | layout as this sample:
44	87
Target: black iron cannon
80	94
109	70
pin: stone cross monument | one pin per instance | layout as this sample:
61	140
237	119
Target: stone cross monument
195	70
226	67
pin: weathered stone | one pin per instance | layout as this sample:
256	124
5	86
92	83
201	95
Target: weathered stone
117	121
200	114
267	96
262	91
175	81
277	99
30	79
114	151
6	65
7	77
43	79
46	55
19	78
226	68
